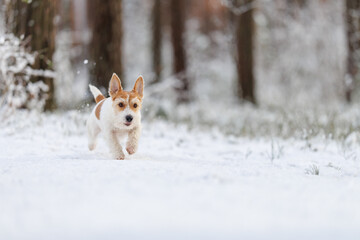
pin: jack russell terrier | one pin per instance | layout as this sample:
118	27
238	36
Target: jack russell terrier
117	117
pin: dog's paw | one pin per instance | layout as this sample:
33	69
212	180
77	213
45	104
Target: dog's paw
119	156
131	149
91	146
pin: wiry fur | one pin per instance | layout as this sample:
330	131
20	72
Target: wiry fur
96	93
111	118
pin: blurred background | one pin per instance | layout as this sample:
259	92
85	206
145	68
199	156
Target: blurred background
285	68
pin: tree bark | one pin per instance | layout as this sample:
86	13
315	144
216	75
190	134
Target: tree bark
157	39
105	18
294	6
245	53
207	22
352	30
300	3
177	9
35	22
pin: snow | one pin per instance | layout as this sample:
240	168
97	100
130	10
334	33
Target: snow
287	169
182	183
16	89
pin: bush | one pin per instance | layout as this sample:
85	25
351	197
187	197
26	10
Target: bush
16	88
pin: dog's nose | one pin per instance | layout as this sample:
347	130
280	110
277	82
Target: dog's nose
129	118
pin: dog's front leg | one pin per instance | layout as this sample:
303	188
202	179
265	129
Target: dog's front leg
114	145
132	141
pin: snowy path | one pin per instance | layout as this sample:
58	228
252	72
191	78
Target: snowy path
180	185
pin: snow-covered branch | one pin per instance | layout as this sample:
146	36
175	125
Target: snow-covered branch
16	89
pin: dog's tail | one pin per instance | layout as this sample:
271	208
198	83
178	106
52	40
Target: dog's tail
96	92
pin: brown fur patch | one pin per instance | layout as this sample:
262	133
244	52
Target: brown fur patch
99	98
131	95
98	109
121	94
134	95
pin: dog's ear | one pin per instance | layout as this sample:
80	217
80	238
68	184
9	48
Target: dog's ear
115	85
139	86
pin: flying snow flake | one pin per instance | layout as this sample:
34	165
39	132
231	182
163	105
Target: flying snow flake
86	61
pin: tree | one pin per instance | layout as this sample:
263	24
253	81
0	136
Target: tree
207	22
177	10
352	31
34	20
293	7
156	39
245	53
105	19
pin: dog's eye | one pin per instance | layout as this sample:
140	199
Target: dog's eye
121	105
135	105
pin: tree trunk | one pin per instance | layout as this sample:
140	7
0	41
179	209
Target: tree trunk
294	6
207	21
244	43
105	18
299	3
35	22
177	9
157	39
352	30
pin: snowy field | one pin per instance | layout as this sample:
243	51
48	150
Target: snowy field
182	184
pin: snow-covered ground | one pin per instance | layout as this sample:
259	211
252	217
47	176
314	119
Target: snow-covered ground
182	184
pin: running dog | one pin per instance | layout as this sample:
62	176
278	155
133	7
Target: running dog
117	117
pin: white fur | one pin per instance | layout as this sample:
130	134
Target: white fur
94	90
112	125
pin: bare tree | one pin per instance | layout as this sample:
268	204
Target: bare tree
34	20
353	60
105	18
177	10
156	39
245	53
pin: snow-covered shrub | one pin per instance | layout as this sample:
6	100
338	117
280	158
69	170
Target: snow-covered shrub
16	89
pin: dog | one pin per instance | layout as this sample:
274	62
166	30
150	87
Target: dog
117	117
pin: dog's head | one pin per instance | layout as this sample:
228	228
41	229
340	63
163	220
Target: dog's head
126	104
